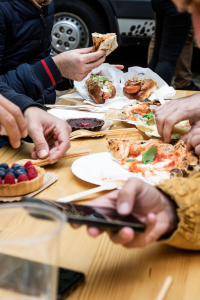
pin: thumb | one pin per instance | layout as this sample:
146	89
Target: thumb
41	146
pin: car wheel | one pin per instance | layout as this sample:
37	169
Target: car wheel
74	22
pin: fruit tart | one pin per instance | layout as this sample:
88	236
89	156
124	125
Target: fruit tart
20	180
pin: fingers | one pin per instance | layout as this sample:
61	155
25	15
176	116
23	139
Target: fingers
123	237
17	115
97	63
126	196
41	146
131	239
119	67
62	143
84	50
193	141
165	121
94	232
94	56
11	127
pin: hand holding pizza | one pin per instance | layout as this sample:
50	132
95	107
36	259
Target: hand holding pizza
146	203
174	111
76	64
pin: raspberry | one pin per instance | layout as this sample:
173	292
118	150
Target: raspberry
30	167
1	181
29	163
9	179
31	173
22	177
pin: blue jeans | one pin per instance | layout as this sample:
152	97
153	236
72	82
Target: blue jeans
171	32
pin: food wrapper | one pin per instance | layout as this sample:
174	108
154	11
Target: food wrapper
166	91
119	78
107	71
49	179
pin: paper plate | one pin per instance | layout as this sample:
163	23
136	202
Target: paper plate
100	167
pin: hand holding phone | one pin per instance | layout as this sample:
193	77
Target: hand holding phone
146	203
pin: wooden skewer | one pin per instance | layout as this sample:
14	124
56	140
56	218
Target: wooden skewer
165	288
44	162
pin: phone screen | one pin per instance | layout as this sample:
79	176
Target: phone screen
99	216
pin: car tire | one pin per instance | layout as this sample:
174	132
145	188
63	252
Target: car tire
74	22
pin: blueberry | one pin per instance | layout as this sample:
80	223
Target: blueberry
19	172
13	174
15	167
10	171
2	174
4	166
23	168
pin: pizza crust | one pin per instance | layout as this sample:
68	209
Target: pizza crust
176	161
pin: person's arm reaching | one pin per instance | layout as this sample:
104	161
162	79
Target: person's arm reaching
171	211
174	111
49	134
11	118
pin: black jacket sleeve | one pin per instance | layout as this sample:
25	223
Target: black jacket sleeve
19	99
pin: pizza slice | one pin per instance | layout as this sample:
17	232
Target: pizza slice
106	42
135	111
155	160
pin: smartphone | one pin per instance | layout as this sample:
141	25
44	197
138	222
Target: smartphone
13	276
101	217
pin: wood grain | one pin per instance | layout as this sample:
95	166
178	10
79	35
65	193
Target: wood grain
113	272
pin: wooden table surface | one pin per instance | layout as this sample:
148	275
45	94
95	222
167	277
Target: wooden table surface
112	272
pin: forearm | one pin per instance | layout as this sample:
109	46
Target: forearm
186	194
22	101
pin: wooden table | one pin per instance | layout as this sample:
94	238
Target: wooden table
112	272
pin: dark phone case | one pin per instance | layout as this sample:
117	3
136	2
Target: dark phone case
100	221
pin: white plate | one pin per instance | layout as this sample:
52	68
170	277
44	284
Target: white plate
99	167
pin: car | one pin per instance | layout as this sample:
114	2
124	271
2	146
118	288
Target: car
76	20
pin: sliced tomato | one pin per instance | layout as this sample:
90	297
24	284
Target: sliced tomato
106	95
132	89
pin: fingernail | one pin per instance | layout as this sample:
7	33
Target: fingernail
42	153
124	208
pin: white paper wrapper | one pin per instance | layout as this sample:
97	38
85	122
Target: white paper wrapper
65	114
165	90
119	78
107	71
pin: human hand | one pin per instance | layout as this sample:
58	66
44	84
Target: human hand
148	204
119	67
11	118
192	138
76	64
174	111
49	134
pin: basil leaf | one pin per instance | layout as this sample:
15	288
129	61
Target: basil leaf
134	114
148	116
130	159
149	155
94	75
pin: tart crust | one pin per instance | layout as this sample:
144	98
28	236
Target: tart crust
96	124
24	187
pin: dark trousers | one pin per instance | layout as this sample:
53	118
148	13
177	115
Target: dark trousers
172	29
